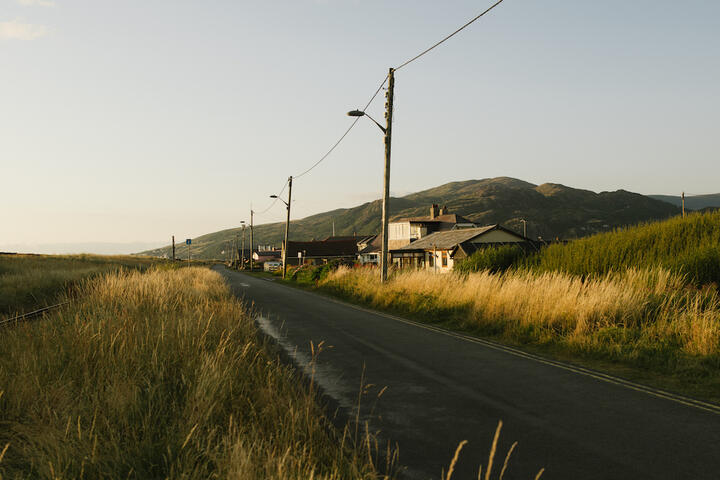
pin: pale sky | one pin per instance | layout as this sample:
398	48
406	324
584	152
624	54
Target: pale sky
130	121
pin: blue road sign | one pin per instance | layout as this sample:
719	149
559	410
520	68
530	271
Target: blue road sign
188	241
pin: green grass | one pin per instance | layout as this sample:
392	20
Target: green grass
690	246
161	375
33	281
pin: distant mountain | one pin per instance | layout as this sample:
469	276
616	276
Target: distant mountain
696	202
551	210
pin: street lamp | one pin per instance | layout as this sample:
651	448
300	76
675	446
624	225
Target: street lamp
360	113
287	225
387	130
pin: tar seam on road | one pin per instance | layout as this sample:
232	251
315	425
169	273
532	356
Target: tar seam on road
673	397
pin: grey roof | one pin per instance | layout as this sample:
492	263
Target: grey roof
447	239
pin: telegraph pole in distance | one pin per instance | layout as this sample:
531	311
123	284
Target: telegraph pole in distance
386	189
242	258
173	242
683	204
252	241
287	227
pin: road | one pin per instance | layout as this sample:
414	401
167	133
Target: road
443	388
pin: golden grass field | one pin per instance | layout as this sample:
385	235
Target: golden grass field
28	282
161	375
649	319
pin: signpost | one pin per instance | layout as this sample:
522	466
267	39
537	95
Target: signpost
188	241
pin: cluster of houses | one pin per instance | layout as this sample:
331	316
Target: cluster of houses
434	242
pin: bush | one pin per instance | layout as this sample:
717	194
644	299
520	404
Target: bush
494	259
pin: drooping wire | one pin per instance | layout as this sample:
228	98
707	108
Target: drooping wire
272	204
449	36
342	137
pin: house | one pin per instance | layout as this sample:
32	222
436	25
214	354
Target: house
262	256
440	250
319	252
369	250
403	231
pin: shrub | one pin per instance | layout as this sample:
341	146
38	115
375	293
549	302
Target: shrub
494	259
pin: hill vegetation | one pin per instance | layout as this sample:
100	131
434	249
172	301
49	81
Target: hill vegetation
689	246
551	210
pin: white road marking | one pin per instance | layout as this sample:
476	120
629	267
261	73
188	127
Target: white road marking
244	284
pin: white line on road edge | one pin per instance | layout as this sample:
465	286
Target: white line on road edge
673	397
604	377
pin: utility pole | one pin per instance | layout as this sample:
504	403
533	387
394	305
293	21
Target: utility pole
252	241
173	241
524	222
287	228
333	228
242	258
386	189
683	204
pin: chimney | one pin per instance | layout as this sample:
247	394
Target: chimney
433	211
443	210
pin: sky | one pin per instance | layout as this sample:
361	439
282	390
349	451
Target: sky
125	122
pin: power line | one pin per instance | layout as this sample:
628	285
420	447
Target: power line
342	137
272	204
449	36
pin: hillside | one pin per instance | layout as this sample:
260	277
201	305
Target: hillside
689	245
551	210
695	202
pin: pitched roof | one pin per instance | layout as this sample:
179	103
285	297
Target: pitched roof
447	218
332	248
450	238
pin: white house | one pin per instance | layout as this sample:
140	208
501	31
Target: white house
439	251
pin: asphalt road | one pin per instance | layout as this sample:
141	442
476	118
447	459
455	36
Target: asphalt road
443	388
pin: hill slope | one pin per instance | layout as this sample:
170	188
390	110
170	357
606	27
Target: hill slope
551	210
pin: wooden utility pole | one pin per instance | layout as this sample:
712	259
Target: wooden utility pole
252	242
173	241
386	188
242	258
683	204
287	228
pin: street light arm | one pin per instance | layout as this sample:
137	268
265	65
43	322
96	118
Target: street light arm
278	198
360	113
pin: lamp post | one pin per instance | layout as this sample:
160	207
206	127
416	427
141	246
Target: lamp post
387	130
524	222
287	224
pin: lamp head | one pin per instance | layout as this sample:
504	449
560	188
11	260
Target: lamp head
356	113
273	196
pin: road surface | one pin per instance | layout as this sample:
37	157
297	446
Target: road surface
443	388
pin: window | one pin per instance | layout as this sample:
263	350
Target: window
444	259
431	259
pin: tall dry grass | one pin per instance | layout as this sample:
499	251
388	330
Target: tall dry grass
28	282
159	375
644	317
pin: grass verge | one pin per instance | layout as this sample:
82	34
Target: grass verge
160	375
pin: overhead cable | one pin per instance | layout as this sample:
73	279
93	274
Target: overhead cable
449	36
342	137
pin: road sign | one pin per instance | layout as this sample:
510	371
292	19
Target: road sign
188	241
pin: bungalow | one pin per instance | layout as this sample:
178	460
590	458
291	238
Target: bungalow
439	251
319	252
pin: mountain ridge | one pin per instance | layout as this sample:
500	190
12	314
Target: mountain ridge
551	210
